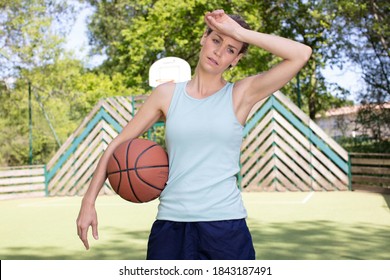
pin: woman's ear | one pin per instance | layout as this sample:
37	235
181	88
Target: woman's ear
236	60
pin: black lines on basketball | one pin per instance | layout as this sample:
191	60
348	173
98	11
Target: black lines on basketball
128	172
136	168
120	173
146	166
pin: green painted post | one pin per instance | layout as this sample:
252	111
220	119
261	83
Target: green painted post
299	91
349	173
46	181
30	158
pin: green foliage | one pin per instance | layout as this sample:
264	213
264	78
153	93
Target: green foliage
365	35
364	145
28	37
67	93
163	28
134	34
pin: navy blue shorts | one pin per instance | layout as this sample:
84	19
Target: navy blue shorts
220	240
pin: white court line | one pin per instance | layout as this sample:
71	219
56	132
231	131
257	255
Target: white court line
307	198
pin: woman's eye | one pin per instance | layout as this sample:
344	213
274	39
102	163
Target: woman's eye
230	50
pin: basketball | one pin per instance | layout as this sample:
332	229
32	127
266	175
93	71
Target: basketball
138	170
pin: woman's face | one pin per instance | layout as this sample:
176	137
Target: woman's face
219	51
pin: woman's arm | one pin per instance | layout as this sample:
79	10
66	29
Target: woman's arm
154	107
294	55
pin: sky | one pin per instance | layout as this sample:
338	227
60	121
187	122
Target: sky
348	78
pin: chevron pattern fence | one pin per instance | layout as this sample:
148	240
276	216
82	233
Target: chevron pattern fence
70	170
284	150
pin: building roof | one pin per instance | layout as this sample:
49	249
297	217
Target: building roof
347	110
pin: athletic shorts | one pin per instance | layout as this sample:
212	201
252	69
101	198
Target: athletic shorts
220	240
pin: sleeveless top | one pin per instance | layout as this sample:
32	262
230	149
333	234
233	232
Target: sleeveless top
203	139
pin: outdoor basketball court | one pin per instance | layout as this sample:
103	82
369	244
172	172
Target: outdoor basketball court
301	225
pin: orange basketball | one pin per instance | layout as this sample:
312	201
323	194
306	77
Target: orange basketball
138	170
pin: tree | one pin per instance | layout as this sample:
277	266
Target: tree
66	92
147	30
31	33
366	42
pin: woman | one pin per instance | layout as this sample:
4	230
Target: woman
201	215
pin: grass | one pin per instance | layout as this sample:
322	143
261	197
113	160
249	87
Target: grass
303	226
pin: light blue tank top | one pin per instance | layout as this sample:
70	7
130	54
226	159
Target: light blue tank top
203	139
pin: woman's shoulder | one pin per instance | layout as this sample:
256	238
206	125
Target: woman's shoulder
165	87
163	94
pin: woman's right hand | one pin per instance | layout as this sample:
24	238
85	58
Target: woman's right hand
87	217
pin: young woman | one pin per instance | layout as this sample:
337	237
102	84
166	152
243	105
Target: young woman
201	214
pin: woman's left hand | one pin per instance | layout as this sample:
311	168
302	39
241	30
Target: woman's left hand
220	22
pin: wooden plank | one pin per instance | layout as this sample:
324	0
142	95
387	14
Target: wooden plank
370	179
321	182
329	141
22	172
106	127
88	166
21	180
126	103
22	188
264	177
330	165
298	148
312	125
267	183
255	108
295	182
73	136
369	170
259	155
370	187
63	177
259	166
292	107
82	151
125	114
292	130
369	155
253	148
114	114
302	162
91	152
76	158
301	139
257	130
326	172
279	187
284	183
303	178
370	161
84	181
37	166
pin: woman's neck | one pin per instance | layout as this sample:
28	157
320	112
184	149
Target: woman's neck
204	84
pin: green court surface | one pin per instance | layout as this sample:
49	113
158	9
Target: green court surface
303	226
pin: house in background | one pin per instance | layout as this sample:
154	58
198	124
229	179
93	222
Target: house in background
342	122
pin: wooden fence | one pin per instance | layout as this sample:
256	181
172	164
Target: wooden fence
23	181
370	171
283	150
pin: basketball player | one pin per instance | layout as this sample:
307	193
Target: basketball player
201	214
